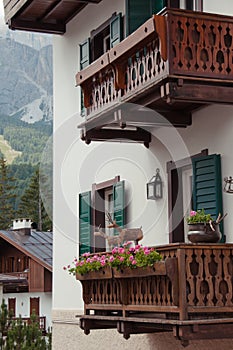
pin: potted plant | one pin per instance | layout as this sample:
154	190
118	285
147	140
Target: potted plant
203	228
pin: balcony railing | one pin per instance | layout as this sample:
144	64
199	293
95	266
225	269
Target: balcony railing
41	322
191	295
175	62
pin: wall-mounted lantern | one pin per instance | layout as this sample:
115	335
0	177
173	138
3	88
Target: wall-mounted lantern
154	188
228	184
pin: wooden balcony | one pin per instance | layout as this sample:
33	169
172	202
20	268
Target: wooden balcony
189	294
41	322
175	63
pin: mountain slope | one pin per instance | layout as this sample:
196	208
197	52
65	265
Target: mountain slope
26	79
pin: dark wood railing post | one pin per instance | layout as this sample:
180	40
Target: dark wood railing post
183	314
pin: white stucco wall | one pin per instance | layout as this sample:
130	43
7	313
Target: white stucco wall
224	7
77	166
23	304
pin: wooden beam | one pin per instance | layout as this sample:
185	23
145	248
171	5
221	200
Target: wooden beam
34	26
139	135
202	93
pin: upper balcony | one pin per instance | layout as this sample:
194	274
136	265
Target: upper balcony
175	63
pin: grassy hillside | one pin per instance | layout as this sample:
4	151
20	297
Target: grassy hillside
9	153
22	145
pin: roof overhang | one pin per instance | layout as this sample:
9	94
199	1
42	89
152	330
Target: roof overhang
50	16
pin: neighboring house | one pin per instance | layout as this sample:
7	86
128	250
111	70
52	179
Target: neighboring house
26	271
160	89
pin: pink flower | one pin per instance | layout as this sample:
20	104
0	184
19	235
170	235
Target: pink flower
131	258
111	259
88	260
122	258
64	268
131	249
147	252
85	255
134	262
68	266
103	257
114	251
121	250
193	213
102	263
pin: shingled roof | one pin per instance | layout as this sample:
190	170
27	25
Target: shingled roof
38	245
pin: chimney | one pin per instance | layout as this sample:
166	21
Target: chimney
22	225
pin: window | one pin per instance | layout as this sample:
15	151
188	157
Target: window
105	196
195	5
101	40
138	11
11	264
35	306
206	190
12	306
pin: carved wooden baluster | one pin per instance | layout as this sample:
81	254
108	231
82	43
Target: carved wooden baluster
141	71
133	291
115	292
147	65
94	291
227	276
228	44
199	259
192	269
173	32
211	273
217	254
139	295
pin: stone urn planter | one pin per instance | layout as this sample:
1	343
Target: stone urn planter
204	233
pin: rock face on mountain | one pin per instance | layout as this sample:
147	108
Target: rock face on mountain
25	78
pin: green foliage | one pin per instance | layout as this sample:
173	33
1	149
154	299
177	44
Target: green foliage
199	216
30	139
19	335
5	323
31	205
22	174
7	195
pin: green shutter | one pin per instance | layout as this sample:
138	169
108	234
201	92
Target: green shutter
138	11
116	30
84	54
119	203
84	222
207	185
84	51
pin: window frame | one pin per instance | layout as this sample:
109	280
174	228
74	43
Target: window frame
174	171
98	216
104	29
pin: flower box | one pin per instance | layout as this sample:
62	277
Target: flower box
158	268
103	273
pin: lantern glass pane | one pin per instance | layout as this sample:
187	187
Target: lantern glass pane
150	190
